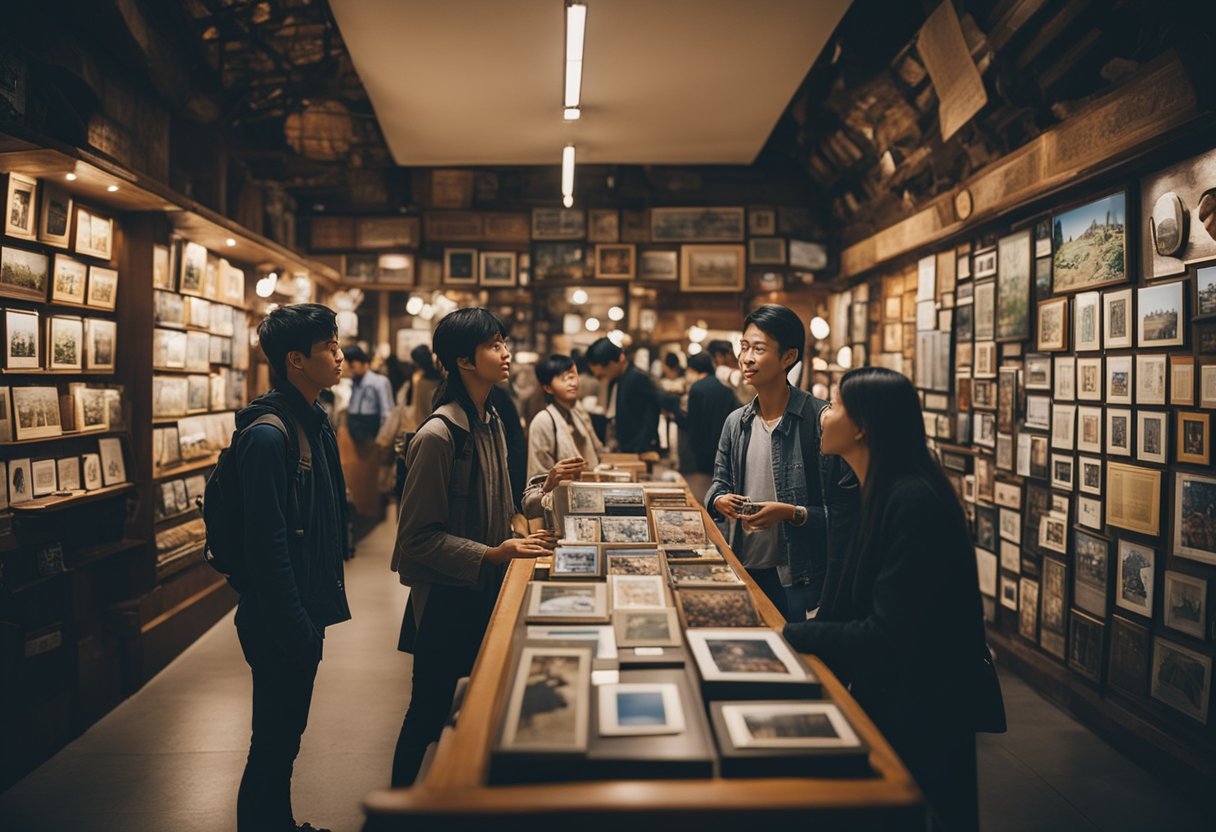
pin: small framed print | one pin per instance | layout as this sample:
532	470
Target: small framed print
1119	431
1182	380
640	709
1007	495
1087	330
68	280
1063	426
567	669
638	592
460	266
1038	412
1194	438
1089	513
1037	375
20	482
22	339
103	287
712	268
37	412
20	218
765	251
1062	471
625	530
90	467
1116	319
113	466
761	222
497	268
94	234
1161	320
1134	581
725	606
766	727
1010	525
1086	636
193	269
1089	379
24	274
1053	325
1009	592
1181	678
1053	533
1089	429
1150	379
1194	506
100	345
1119	379
582	529
45	476
162	274
1185	604
65	343
1133	498
659	265
615	261
985	359
1152	436
1065	387
1028	609
54	216
646	628
603	225
744	655
679	527
567	602
1089	478
1207	386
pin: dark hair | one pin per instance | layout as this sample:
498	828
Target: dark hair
356	353
702	363
781	324
719	347
550	368
672	360
458	336
884	404
425	360
603	351
294	328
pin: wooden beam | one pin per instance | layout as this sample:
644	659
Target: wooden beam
1050	31
1053	73
1008	18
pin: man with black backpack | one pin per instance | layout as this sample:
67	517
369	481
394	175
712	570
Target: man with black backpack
276	525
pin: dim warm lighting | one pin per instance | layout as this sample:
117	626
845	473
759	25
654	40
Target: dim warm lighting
71	177
694	349
844	357
266	286
571	324
592	324
568	201
112	188
526	357
426	312
568	175
414	305
576	30
616	313
572	114
820	328
578	297
617	337
697	334
818	364
230	242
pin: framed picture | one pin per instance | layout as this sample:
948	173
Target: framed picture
1087	332
1118	431
460	266
65	343
1053	325
680	527
1207	386
497	268
1133	498
1042	279
1037	372
94	234
640	709
603	225
1062	471
646	627
22	340
1089	379
103	287
1194	508
1129	649
1186	604
558	261
566	674
985	359
193	269
1090	575
716	607
625	530
162	273
1038	412
559	224
168	309
745	655
1194	438
55	216
1013	287
984	323
659	265
1119	379
1134	577
1152	436
20	482
1053	607
37	412
762	725
1182	679
985	263
1065	377
763	251
169	395
1150	379
19	214
582	529
1085	646
637	592
1028	609
1089	513
567	602
1160	321
1089	476
1009	592
702	574
985	564
761	222
195	351
68	471
615	261
714	268
1042	238
696	225
1063	426
1182	380
23	274
90	468
1117	319
68	281
113	467
91	410
46	477
1090	245
1205	291
576	562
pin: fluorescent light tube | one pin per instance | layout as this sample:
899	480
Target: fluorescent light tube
576	27
568	170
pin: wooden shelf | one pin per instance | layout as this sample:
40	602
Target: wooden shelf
178	516
43	504
185	468
173	420
72	434
39	372
84	557
84	307
180	559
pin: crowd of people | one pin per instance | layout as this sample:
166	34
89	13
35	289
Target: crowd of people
836	509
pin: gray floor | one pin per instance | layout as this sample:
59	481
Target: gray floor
171	756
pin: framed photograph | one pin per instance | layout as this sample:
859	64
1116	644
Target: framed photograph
20	482
559	224
90	468
91	410
1009	592
549	707
1090	244
558	261
984	316
680	527
1090	575
1089	476
1028	609
1129	649
761	222
615	261
1042	279
19	214
716	607
194	349
1194	510
1065	387
1052	326
460	266
162	272
625	530
1118	431
985	359
582	529
1063	426
985	263
23	274
1042	238
1133	498
94	234
1013	287
567	602
1062	471
1053	533
1182	380
1119	379
169	396
100	345
1134	578
37	412
1194	438
1085	646
1089	379
1207	386
646	628
766	251
103	287
702	574
46	477
1160	321
1053	607
65	343
712	268
1152	436
598	635
638	592
55	216
1038	412
1205	292
640	709
1116	319
1186	604
582	499
68	282
786	725
1037	372
193	269
985	564
497	268
68	471
169	309
696	225
744	655
1087	332
1089	513
113	467
659	265
22	340
1182	679
603	225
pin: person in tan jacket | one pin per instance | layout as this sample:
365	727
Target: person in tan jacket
563	429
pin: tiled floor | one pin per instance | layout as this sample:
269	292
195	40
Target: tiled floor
170	758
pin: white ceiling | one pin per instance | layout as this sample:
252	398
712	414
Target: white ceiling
480	82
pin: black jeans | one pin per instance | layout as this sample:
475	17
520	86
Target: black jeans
770	584
282	694
453	624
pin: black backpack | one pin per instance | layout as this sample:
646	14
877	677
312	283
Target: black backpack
224	508
402	445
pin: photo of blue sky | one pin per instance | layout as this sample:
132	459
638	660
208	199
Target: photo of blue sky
1074	222
641	708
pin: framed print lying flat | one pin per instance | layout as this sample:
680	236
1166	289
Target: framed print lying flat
549	707
638	592
567	602
640	709
601	636
716	607
576	562
737	662
786	739
646	628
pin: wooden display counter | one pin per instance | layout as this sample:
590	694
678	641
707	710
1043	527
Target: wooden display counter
453	792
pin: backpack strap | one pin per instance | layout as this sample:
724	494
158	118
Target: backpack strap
303	459
459	435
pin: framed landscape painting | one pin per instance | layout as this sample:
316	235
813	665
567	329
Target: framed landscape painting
712	268
1090	244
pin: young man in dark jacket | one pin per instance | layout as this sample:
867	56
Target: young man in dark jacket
633	399
294	541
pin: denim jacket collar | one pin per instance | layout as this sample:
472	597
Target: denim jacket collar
798	405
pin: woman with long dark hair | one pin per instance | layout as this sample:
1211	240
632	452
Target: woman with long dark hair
901	622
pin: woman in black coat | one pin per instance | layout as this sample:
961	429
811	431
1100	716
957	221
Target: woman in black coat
902	622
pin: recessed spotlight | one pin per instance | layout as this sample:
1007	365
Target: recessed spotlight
572	114
230	242
71	177
112	188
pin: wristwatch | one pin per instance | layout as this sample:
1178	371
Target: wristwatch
800	516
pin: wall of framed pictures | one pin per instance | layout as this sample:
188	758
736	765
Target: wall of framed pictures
1067	367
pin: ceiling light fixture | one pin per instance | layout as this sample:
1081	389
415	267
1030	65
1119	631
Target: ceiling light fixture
71	177
568	175
576	27
112	188
572	114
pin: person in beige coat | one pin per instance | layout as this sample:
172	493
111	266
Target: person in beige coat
562	431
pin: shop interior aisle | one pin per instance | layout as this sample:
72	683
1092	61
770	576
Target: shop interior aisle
170	758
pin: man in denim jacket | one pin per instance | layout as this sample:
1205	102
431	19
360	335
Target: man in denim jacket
791	516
